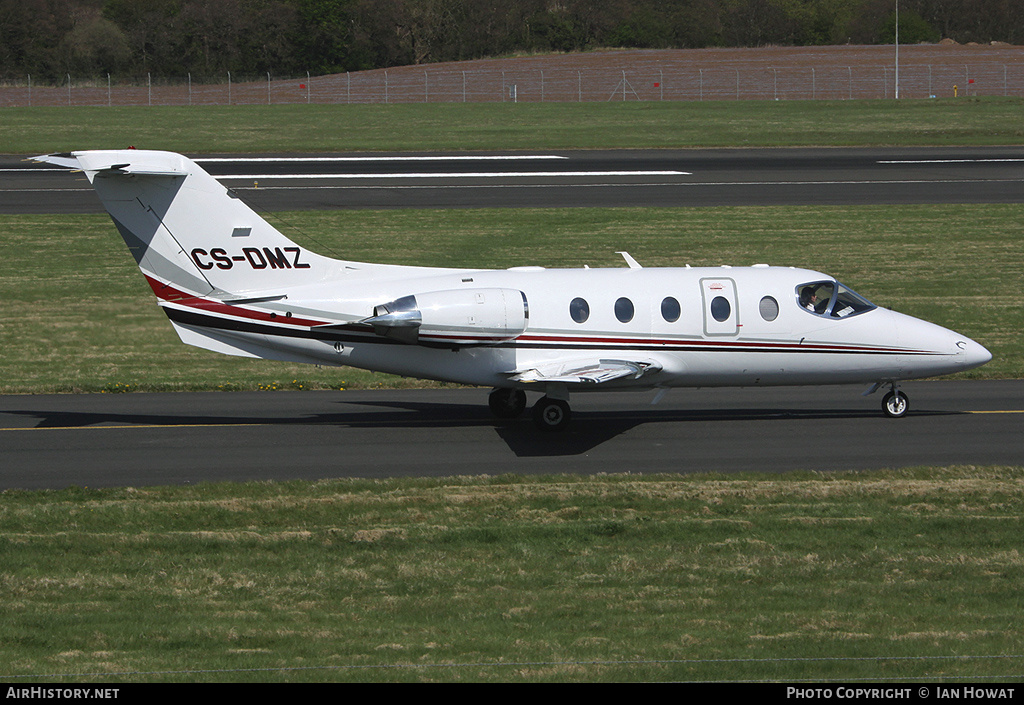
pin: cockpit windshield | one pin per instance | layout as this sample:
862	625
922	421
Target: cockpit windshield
832	299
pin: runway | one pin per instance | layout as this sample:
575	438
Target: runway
154	439
653	178
158	439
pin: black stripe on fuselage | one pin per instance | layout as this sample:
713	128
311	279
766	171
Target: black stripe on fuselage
356	335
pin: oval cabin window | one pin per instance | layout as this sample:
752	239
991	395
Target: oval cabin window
670	309
769	308
579	309
721	309
624	310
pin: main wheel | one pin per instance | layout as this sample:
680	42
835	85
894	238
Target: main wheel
507	403
895	404
551	414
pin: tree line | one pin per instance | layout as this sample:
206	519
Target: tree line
51	38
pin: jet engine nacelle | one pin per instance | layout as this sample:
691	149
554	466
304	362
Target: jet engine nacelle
454	317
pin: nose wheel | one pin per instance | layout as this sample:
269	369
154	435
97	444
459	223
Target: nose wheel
895	404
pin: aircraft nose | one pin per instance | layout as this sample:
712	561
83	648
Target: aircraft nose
936	350
971	354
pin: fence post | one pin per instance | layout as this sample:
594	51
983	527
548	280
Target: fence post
541	86
850	70
268	88
108	90
69	90
229	88
30	90
149	87
308	86
426	87
661	83
463	86
190	88
385	87
579	86
701	72
814	85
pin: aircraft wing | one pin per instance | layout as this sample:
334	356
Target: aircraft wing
586	371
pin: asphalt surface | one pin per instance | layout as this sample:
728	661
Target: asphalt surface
151	439
158	439
659	178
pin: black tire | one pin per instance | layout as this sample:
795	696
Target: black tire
507	403
551	414
895	405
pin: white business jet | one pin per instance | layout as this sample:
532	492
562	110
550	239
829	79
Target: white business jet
233	284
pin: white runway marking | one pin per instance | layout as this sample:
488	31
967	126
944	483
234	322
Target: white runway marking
451	158
454	175
948	161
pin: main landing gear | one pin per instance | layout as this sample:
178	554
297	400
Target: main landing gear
549	414
507	403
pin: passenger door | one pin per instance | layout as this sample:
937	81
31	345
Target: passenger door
721	313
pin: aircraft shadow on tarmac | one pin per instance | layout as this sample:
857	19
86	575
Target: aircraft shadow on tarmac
591	429
588	430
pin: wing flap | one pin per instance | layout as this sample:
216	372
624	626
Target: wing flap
586	371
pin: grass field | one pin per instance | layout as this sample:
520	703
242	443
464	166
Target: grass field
500	126
888	576
86	321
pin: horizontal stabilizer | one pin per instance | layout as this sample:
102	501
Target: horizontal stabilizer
64	159
586	371
144	165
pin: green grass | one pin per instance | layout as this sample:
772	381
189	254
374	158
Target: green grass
483	126
79	317
881	576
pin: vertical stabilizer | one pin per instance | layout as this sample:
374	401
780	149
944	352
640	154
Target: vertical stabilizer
189	234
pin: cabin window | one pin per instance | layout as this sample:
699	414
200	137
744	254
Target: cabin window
831	299
769	308
721	309
624	310
670	309
579	309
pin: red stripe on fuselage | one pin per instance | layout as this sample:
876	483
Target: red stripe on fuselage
168	293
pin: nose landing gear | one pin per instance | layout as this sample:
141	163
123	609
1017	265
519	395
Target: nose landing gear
895	404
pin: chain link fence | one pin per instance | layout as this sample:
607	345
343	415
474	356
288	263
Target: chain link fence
445	84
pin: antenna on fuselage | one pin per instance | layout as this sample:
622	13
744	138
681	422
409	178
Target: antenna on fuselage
633	264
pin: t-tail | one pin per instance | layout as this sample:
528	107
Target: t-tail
191	236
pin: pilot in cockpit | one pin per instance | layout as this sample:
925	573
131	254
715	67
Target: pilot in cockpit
809	298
